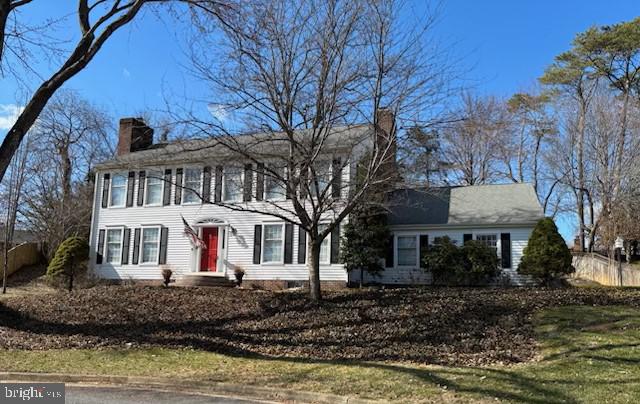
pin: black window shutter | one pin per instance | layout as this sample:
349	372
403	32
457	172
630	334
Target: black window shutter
248	182
136	246
288	243
336	178
105	190
335	245
100	250
257	243
505	247
289	191
141	178
218	185
206	184
424	247
389	258
125	246
130	184
466	237
164	239
260	182
302	245
304	182
166	200
178	196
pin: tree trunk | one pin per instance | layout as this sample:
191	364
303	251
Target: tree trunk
313	265
5	7
581	184
65	162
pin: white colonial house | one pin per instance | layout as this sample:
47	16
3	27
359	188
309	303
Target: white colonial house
142	196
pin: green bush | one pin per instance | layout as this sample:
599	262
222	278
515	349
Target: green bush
365	241
481	262
472	264
68	261
546	256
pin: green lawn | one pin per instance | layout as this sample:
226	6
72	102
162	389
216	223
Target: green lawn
589	354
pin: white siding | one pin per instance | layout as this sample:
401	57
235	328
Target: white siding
180	255
416	275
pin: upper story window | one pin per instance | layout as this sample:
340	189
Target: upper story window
150	245
154	188
274	188
114	246
192	185
118	190
273	243
322	178
407	250
232	189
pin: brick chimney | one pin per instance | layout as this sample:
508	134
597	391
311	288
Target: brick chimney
134	135
386	138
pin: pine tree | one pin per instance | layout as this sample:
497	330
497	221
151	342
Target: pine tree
546	256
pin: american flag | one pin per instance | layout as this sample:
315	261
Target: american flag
193	236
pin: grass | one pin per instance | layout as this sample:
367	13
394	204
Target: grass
589	354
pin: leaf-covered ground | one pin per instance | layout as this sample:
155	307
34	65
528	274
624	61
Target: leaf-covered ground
451	326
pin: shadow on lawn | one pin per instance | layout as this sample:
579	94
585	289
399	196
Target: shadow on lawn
429	335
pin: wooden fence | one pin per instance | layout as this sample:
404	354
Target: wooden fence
21	256
604	270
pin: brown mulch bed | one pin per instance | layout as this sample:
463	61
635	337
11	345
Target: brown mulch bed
452	326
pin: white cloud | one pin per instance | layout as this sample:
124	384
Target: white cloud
126	73
8	115
218	112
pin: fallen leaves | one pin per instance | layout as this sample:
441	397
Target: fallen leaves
452	326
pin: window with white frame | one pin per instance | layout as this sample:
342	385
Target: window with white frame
114	246
154	188
192	185
272	243
407	250
322	178
490	240
232	189
118	190
150	245
274	188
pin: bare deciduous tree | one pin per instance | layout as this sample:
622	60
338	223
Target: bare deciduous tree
303	75
69	138
97	21
470	146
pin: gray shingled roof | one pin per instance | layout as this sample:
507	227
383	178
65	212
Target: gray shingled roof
472	205
198	150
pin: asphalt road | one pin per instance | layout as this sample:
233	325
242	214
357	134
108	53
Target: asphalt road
123	395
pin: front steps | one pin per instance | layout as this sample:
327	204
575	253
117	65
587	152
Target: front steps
204	279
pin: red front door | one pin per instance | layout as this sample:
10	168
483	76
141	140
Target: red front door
209	256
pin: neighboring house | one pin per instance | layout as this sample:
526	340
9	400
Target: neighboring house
142	195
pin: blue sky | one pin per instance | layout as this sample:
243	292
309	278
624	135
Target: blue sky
504	45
